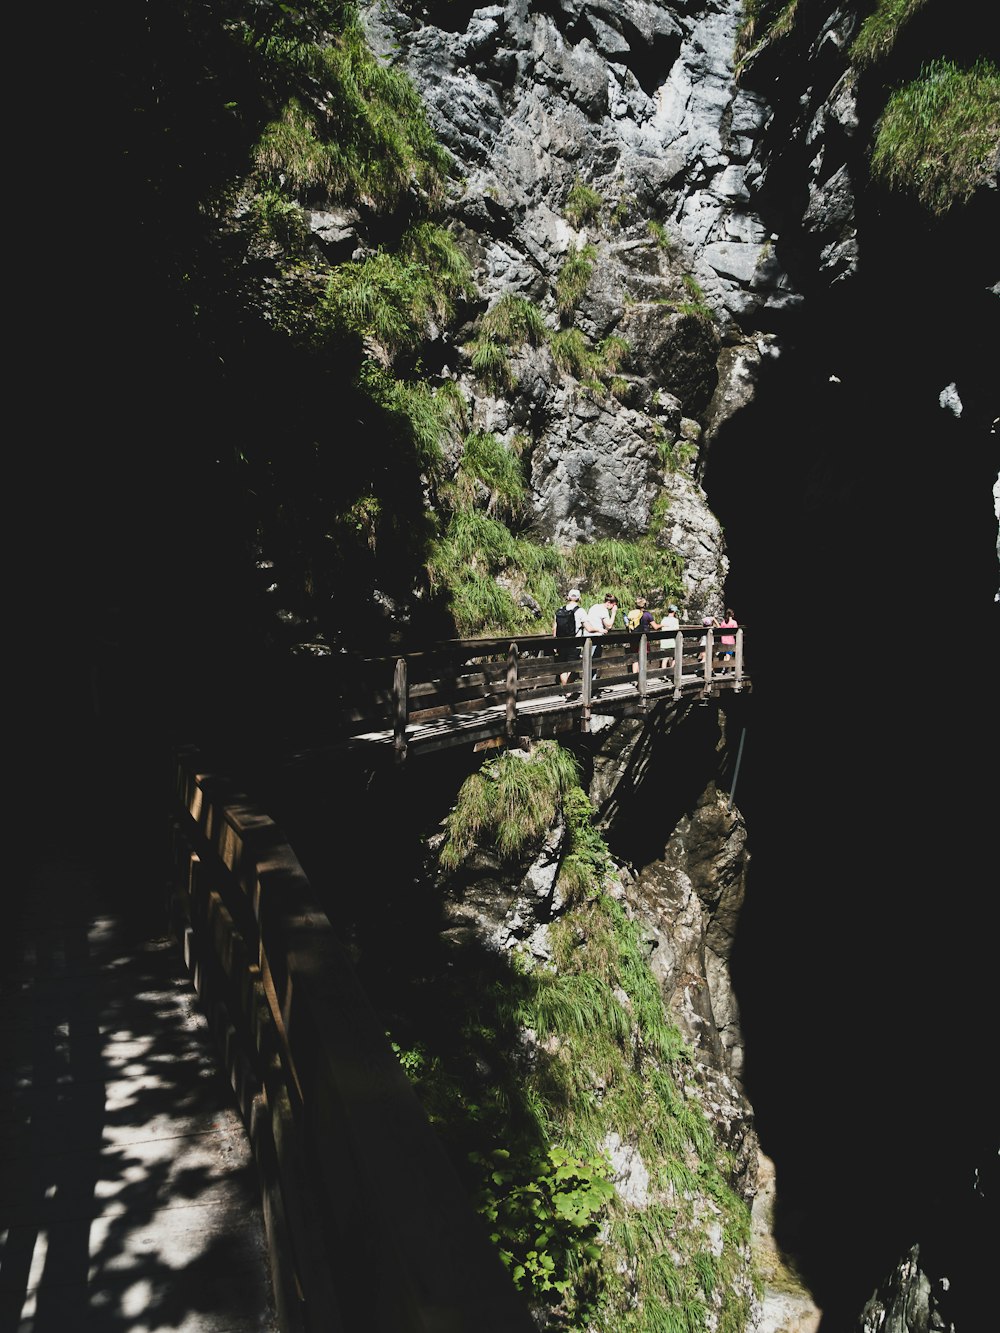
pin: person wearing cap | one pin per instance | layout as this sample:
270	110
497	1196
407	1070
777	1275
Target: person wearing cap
569	627
600	619
669	622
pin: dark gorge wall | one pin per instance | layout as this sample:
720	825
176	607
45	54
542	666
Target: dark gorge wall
857	506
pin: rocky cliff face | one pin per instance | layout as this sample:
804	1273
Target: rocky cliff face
784	376
705	215
619	142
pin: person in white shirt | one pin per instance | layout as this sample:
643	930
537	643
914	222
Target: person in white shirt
599	620
669	622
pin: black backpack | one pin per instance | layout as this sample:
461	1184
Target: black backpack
566	622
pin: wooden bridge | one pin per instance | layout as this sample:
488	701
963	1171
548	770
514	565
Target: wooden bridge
486	691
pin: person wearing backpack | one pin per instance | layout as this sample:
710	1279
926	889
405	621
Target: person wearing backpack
640	620
568	624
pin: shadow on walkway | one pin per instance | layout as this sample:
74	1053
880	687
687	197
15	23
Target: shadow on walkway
128	1195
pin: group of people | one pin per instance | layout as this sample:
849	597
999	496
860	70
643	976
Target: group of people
571	620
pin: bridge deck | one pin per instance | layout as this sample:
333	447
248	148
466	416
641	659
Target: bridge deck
545	714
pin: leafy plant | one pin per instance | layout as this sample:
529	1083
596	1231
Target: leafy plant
544	1214
937	138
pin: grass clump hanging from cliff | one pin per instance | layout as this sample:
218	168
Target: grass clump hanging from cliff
510	803
583	204
878	33
937	138
606	1067
764	22
362	135
574	277
391	298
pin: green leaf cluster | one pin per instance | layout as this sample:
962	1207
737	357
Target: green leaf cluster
544	1213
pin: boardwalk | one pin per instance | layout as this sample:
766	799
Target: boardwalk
128	1196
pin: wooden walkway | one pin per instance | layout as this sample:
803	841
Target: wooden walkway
128	1194
485	691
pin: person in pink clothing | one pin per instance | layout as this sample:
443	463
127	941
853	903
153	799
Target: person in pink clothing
728	641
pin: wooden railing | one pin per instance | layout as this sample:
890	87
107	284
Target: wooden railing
475	689
369	1228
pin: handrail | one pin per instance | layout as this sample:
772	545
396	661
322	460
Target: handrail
457	678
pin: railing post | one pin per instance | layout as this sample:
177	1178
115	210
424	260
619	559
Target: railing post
678	663
642	666
709	658
587	665
738	661
511	723
399	709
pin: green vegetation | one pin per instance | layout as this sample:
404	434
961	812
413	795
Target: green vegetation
574	277
513	321
573	355
592	366
354	129
583	204
660	235
532	1135
391	298
489	467
878	33
490	362
937	138
675	455
623	210
764	22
